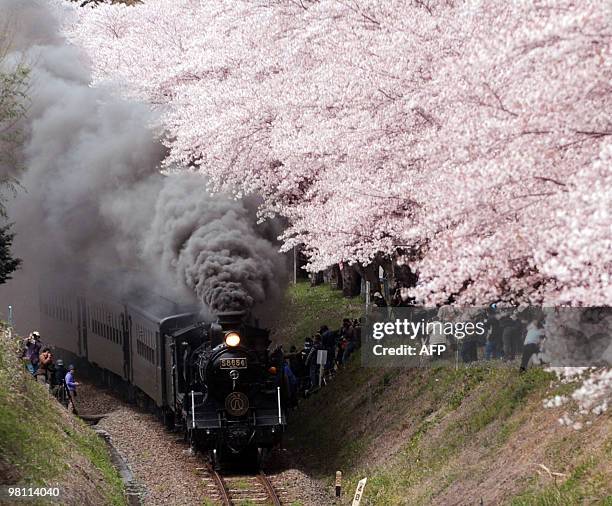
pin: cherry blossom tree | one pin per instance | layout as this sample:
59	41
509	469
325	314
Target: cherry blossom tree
477	132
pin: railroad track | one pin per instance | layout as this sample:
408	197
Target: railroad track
240	489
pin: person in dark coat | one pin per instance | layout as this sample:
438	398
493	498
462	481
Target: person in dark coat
328	341
31	351
494	343
311	362
347	332
304	375
292	383
58	388
511	337
295	362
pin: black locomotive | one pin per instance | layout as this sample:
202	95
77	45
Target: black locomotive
216	381
229	392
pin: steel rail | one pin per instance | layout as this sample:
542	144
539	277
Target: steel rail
221	485
265	481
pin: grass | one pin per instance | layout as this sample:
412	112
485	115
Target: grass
444	412
37	441
488	395
306	308
584	486
91	446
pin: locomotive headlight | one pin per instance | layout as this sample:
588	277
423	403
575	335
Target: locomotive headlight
232	339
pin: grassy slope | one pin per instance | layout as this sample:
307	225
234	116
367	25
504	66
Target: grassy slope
306	308
445	436
40	444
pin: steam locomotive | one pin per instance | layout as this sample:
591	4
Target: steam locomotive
216	381
228	391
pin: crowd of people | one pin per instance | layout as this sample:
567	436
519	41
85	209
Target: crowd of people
510	333
322	354
49	371
507	337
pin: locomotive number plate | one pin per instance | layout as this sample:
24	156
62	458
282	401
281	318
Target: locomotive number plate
233	363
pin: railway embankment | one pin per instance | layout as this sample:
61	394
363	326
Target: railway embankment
43	447
476	435
445	436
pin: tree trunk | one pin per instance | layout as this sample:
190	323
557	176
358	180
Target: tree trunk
316	278
351	281
335	277
370	273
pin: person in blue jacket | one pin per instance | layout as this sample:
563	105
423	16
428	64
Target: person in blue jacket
71	386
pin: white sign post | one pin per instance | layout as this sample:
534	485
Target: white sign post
321	361
359	492
321	357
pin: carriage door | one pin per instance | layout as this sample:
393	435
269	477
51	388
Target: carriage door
82	326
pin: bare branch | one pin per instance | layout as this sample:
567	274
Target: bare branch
550	180
499	101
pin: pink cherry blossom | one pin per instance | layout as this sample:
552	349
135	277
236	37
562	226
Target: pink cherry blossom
477	131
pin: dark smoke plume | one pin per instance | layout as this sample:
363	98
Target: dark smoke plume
94	205
210	246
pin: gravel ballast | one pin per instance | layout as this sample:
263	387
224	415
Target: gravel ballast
163	464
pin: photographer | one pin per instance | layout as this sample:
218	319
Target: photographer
31	352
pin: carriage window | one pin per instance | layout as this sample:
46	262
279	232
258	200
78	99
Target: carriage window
145	344
157	342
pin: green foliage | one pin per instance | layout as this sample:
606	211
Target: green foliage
13	106
90	445
403	428
8	264
584	486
